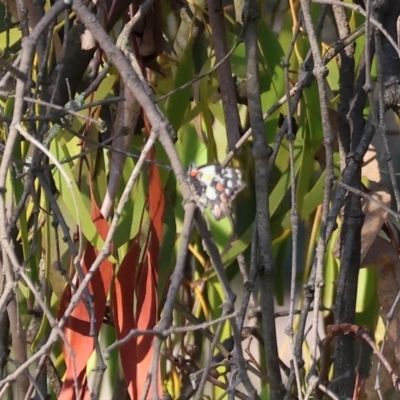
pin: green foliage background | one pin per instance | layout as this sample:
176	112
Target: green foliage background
196	114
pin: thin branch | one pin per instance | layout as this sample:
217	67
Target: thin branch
369	198
305	81
361	11
103	254
201	76
261	153
176	280
15	72
294	217
320	73
135	333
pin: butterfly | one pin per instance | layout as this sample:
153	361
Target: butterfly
215	187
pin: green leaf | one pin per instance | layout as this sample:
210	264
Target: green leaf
179	102
367	306
282	163
56	247
333	77
238	246
131	217
14	37
72	197
307	171
331	266
167	255
313	112
271	51
189	146
238	58
280	249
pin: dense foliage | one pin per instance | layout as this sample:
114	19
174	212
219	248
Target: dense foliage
123	275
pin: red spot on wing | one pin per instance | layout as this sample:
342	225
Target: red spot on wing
223	197
217	212
219	187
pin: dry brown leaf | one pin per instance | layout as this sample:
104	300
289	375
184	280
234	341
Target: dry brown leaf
388	287
385	381
380	252
87	40
370	168
375	216
148	32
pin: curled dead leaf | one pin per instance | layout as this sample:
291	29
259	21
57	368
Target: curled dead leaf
87	40
375	216
387	290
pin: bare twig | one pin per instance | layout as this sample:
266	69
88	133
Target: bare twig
294	217
134	333
261	153
320	72
225	78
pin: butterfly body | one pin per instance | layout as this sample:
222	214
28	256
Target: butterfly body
215	187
